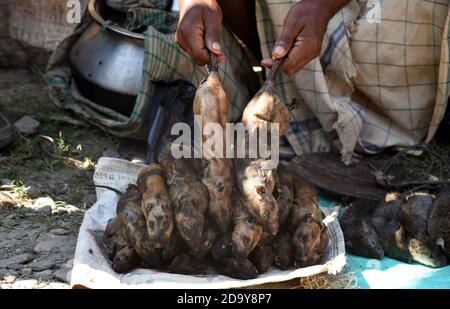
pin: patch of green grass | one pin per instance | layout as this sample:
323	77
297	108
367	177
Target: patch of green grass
62	144
18	188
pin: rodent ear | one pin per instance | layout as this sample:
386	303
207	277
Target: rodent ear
440	242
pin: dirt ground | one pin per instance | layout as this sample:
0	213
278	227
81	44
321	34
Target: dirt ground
46	184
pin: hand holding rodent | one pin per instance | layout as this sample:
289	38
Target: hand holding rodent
198	31
302	34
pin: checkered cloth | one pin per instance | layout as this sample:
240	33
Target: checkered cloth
147	12
375	85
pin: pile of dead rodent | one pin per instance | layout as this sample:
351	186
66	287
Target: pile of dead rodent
236	216
410	227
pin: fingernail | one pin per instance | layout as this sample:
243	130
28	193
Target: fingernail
278	51
265	62
216	46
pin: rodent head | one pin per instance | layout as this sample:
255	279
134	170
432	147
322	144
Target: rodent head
427	252
307	242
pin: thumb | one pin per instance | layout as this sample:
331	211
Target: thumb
285	41
212	37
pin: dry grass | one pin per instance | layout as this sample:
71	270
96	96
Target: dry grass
343	280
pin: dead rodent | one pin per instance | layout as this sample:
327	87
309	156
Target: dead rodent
246	232
385	211
389	207
267	107
394	240
414	216
255	182
189	197
255	179
305	203
240	268
414	213
237	268
399	243
185	264
392	236
223	247
266	238
310	242
439	220
211	106
211	102
360	235
262	258
130	213
218	177
156	204
173	247
210	234
425	250
283	250
124	257
284	194
112	226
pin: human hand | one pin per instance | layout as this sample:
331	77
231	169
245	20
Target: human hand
302	34
198	31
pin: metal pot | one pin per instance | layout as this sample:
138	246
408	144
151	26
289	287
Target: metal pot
107	61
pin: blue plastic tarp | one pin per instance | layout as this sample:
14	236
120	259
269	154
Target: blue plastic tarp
392	274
